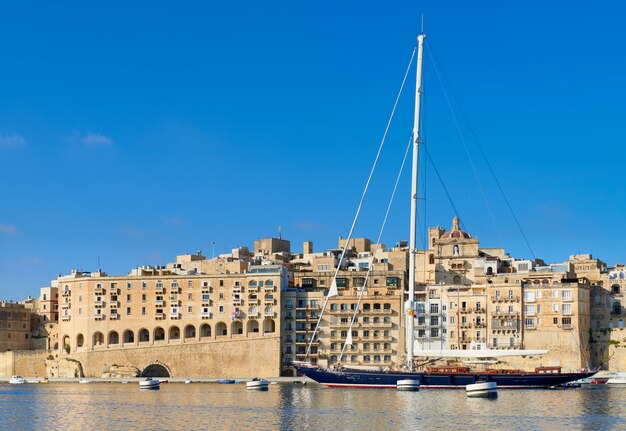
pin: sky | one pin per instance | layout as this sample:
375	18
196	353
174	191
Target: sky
131	132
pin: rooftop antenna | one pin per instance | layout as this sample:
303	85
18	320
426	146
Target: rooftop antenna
422	23
213	246
280	232
98	263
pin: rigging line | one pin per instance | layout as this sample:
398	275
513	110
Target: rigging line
380	235
358	211
458	127
445	189
482	152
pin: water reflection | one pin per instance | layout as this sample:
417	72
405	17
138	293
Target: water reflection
297	407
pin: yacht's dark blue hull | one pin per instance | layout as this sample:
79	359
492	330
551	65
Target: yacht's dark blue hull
381	379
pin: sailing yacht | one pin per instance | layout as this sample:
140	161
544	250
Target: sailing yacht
433	377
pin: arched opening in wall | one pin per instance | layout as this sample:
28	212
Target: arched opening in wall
489	270
174	333
144	335
205	331
80	340
221	330
252	327
617	308
159	334
236	328
98	339
615	289
66	343
114	338
155	370
190	331
456	280
269	326
129	336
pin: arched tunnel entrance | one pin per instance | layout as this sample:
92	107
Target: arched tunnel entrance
155	370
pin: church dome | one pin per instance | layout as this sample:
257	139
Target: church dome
456	231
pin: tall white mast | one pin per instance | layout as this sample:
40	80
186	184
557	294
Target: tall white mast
410	305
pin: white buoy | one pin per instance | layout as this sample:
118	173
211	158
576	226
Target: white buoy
257	385
482	390
188	381
408	385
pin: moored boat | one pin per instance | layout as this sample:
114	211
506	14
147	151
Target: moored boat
149	384
257	384
345	377
17	380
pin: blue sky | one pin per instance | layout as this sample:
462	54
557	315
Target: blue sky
138	132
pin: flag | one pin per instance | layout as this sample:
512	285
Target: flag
349	339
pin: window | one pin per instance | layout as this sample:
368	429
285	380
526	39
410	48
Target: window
342	282
128	311
529	296
190	309
523	267
434	332
220	309
566	322
555	308
129	285
555	320
567	309
128	297
324	267
566	295
529	323
190	296
143	311
143	297
288	303
529	310
434	308
555	293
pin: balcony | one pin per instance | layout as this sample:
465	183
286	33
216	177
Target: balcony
66	317
114	304
505	313
159	289
269	288
66	305
237	301
98	288
269	301
99	316
114	317
159	303
379	311
514	298
205	314
66	292
99	304
381	325
174	315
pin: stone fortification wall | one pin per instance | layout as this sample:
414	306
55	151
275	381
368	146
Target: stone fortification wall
27	363
616	355
228	359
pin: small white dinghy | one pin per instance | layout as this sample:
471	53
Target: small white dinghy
85	381
257	385
149	384
482	390
408	385
17	380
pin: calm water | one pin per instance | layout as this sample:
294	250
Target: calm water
115	406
